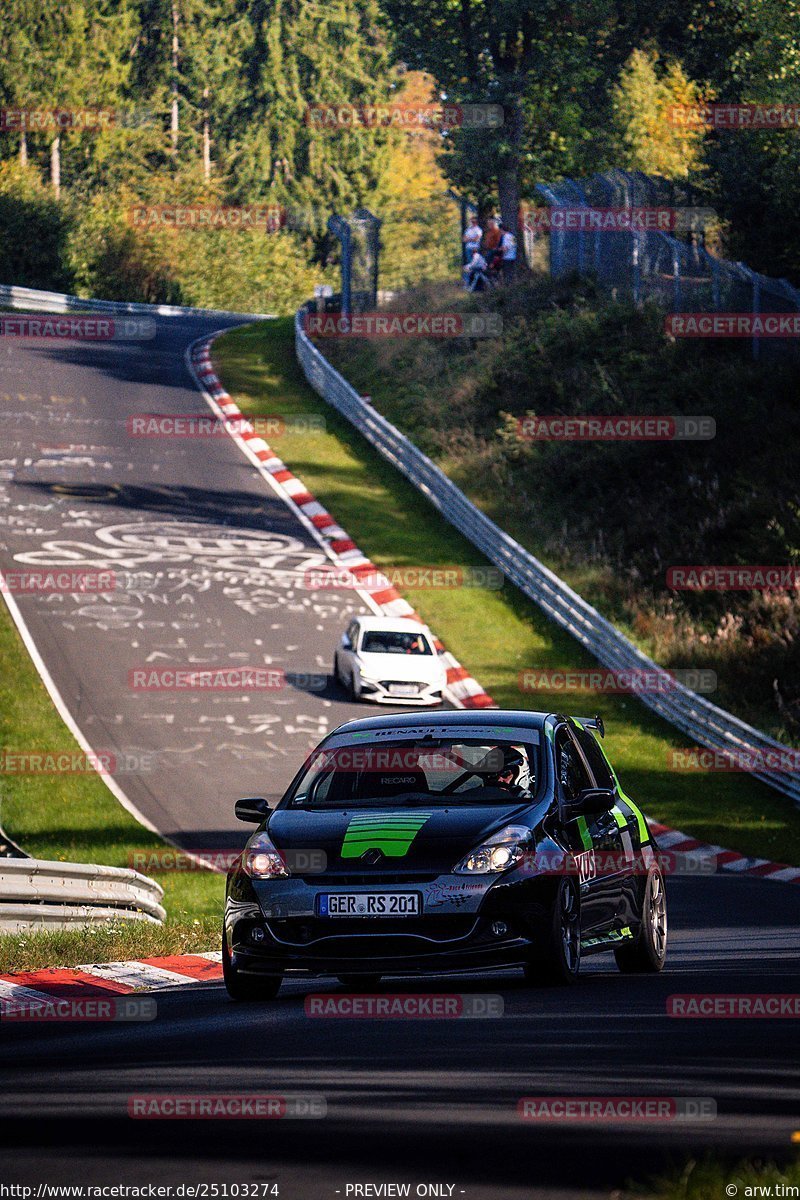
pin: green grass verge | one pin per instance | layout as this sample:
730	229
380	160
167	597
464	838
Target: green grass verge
75	818
494	633
118	942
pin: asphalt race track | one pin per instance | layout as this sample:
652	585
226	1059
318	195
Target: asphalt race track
209	568
404	1097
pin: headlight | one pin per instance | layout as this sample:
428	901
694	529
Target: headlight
499	852
262	861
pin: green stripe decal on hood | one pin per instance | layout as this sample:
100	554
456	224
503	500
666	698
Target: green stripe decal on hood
391	833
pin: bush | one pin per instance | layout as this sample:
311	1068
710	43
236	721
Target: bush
33	231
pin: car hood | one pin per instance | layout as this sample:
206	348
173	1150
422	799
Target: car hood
410	838
412	668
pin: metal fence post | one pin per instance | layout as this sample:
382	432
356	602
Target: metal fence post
756	312
715	289
465	206
637	275
676	274
341	230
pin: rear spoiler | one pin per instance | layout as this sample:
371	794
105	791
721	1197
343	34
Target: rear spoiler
592	723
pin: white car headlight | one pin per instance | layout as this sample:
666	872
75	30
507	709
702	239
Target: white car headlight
499	852
261	860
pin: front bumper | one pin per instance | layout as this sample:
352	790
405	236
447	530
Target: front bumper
465	924
378	692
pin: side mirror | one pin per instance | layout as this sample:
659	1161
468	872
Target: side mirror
253	809
591	802
346	643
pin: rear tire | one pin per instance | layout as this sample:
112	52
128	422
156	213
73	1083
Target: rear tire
648	953
360	983
246	987
558	961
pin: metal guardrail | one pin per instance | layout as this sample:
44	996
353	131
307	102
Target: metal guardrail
703	722
62	302
36	893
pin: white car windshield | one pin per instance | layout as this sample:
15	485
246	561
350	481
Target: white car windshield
441	772
381	642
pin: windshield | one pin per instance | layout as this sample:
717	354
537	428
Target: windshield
442	772
379	642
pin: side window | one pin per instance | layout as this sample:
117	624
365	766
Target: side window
572	774
594	756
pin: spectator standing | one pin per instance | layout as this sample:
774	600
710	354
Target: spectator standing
472	238
491	239
508	249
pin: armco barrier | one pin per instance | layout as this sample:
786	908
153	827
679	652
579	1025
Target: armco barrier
693	715
61	302
35	894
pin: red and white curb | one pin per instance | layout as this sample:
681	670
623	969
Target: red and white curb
380	594
465	691
28	990
726	860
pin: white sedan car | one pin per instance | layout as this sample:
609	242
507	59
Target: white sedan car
390	660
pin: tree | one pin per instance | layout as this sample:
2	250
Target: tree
533	61
646	101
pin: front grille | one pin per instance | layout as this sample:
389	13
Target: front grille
373	879
304	931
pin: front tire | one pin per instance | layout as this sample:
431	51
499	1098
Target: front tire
246	987
558	961
648	953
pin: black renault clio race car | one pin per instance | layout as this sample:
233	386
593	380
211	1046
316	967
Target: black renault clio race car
458	842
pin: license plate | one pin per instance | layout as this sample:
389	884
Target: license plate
368	904
403	689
